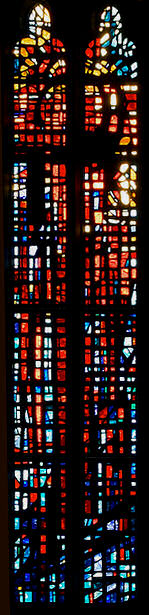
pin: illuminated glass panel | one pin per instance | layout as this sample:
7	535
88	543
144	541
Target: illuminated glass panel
109	203
109	235
39	252
109	436
38	352
109	536
110	52
39	553
39	478
110	384
38	339
39	101
103	108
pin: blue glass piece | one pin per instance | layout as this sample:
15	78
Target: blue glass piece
107	17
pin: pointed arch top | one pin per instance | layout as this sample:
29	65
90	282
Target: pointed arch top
39	17
111	52
39	84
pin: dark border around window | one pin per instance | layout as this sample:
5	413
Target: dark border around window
75	29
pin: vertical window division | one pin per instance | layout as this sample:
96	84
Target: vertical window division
73	306
39	126
109	297
38	326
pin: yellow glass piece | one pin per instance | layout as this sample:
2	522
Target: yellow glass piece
132	203
40	41
104	70
98	217
28	41
46	35
89	88
133	174
24	52
23	68
125	141
111	199
113	67
96	72
29	62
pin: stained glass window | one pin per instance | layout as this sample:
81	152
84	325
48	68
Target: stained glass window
72	312
38	341
109	296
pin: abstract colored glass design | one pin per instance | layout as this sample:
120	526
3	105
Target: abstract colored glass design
39	512
109	229
107	102
38	260
39	100
109	296
111	52
39	358
38	338
110	384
